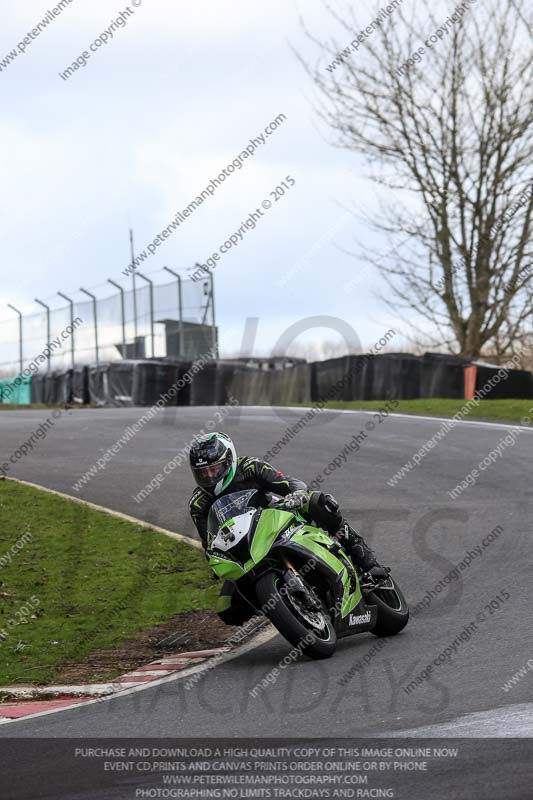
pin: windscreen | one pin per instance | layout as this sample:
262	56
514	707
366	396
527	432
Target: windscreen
229	506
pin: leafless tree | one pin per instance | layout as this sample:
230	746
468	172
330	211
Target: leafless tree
441	105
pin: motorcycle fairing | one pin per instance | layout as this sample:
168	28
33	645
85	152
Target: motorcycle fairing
315	541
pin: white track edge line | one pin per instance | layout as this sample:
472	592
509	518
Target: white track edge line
415	417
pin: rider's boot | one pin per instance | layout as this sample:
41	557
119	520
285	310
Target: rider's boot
363	557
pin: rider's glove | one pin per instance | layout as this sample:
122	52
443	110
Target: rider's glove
295	500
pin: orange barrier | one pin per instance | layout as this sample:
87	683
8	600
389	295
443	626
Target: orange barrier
470	376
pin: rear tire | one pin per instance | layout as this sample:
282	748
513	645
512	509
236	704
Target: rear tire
277	608
393	611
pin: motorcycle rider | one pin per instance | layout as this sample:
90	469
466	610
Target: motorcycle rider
217	470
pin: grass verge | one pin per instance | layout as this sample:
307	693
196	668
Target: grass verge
491	410
75	581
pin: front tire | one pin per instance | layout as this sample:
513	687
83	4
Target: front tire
393	611
282	611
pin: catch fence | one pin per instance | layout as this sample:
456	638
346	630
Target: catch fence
174	318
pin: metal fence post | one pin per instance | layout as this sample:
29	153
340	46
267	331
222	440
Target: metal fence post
95	318
48	357
151	285
214	339
122	313
181	348
71	303
133	268
21	354
213	321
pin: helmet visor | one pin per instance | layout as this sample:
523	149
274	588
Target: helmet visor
207	477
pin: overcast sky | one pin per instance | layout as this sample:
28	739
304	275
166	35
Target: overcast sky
134	136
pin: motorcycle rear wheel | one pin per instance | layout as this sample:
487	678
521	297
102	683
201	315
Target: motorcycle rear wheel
393	611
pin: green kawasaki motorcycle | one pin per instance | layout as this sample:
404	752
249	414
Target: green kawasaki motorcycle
297	575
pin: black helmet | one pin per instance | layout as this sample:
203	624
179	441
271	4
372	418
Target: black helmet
213	461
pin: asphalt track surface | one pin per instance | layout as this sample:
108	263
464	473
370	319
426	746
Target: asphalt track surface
415	527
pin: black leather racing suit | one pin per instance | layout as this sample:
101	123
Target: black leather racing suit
253	473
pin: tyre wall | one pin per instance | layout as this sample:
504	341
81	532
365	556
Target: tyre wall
517	384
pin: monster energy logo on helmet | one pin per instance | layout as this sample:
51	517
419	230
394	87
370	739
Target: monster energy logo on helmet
213	461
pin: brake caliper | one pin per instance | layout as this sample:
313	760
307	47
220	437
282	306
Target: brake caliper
303	592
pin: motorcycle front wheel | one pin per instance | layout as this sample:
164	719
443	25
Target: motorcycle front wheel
309	630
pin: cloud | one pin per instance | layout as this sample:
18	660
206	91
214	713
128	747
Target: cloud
134	136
